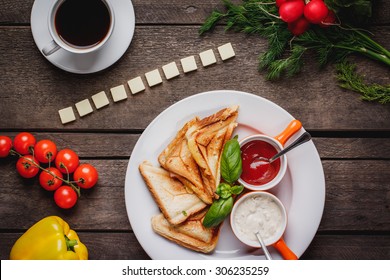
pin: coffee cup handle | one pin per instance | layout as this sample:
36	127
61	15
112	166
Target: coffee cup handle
50	48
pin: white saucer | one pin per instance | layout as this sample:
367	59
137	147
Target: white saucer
96	61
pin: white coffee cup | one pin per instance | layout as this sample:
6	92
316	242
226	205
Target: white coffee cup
59	18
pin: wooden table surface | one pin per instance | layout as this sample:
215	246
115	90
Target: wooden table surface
352	136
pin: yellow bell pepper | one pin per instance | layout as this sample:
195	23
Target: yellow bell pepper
49	239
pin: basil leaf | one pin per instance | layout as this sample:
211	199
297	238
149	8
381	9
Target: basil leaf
236	189
231	163
223	190
218	212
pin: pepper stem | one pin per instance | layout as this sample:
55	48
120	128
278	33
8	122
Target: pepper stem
70	243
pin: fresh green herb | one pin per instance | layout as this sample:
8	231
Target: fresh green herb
350	79
285	52
351	11
231	168
184	213
218	211
231	164
224	190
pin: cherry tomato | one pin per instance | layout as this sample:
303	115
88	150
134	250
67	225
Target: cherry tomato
45	151
5	146
24	143
67	161
299	26
315	11
48	181
26	167
291	10
86	176
329	20
65	197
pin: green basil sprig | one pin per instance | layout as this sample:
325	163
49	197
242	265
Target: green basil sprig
231	163
231	168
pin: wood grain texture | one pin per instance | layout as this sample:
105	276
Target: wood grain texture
319	103
161	11
120	145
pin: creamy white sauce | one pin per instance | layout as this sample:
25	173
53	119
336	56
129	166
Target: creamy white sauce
258	214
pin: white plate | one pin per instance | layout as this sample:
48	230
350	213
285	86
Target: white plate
96	61
302	189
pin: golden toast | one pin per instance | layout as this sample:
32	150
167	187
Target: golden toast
206	139
171	196
190	234
177	158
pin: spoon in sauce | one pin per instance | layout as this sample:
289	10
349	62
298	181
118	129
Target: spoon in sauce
265	250
302	139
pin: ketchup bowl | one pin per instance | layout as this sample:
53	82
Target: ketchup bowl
259	175
263	212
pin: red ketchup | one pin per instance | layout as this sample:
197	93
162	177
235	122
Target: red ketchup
257	172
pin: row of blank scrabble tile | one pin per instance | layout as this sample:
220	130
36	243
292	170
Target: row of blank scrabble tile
153	78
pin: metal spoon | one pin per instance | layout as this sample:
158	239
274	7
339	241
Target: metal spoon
267	254
302	139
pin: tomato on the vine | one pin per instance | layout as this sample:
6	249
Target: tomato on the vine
27	166
315	11
45	151
5	146
24	143
86	176
67	161
292	10
49	179
65	197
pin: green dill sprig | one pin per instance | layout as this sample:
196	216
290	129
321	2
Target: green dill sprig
349	79
285	52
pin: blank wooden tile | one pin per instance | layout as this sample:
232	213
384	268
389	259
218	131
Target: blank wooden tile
118	93
67	115
100	100
84	107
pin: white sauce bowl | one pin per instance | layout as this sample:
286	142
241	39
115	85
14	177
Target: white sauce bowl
258	211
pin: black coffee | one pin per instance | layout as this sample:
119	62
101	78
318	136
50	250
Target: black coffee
82	23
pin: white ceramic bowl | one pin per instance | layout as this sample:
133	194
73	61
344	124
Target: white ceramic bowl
264	202
283	162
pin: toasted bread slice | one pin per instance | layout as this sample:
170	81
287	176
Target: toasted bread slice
190	234
175	142
171	196
206	139
177	158
214	152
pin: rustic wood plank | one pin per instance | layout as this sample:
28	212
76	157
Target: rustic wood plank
357	198
348	247
319	103
120	145
353	148
161	11
357	195
323	247
91	145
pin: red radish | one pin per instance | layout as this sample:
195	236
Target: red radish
329	20
299	26
292	10
280	2
316	11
